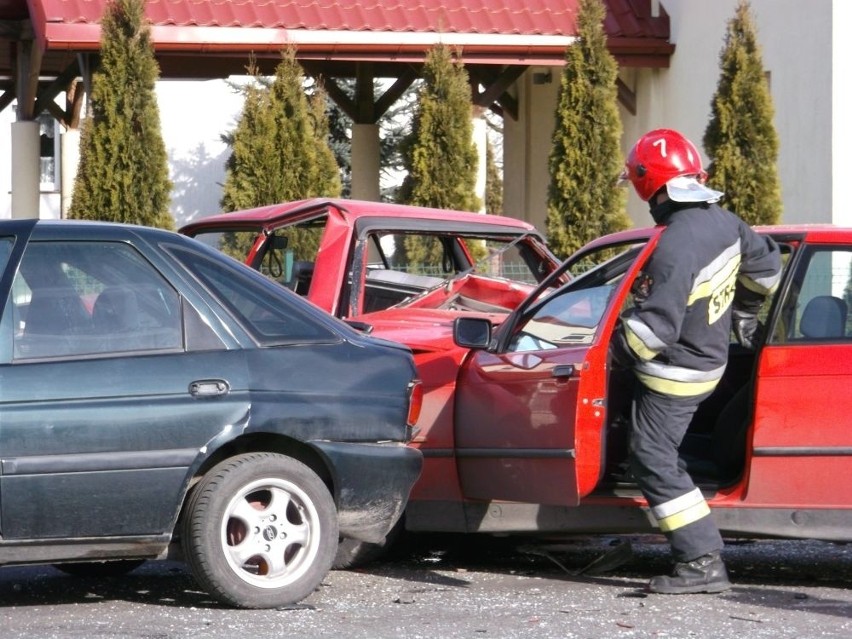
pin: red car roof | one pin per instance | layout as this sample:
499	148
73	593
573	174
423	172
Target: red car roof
813	232
352	209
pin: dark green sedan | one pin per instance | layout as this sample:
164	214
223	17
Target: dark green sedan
159	400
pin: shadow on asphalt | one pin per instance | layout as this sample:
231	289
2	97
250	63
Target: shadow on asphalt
154	583
764	572
767	573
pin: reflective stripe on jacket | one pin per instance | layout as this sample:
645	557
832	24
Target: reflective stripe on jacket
678	332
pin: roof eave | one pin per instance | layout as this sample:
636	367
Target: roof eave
59	36
410	46
641	52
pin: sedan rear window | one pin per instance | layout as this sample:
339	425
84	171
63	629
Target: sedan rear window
259	305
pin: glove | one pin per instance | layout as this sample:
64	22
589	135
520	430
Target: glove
746	306
746	329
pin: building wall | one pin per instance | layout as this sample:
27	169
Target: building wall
803	62
525	148
193	117
796	48
841	115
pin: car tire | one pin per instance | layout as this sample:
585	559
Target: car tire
100	569
260	531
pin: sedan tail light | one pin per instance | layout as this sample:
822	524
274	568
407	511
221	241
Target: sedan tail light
415	402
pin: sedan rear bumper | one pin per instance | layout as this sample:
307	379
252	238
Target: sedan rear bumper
372	483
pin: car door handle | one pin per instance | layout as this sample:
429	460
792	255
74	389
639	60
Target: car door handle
209	388
563	370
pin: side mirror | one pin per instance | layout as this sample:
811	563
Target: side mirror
472	332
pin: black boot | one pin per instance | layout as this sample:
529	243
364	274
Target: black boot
705	574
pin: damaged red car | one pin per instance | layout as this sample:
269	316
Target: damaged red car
524	427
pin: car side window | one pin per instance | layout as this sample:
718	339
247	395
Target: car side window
567	318
816	306
91	298
256	302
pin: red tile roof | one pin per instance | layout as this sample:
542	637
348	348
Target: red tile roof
192	23
470	16
487	31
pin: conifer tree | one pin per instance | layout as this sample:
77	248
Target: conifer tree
740	139
440	154
393	140
123	175
279	148
252	151
328	176
584	200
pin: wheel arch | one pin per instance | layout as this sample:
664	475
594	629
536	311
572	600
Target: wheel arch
262	443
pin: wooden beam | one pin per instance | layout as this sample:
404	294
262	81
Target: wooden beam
499	85
340	97
28	58
626	96
56	112
508	105
14	29
497	82
364	92
364	108
395	91
8	95
74	103
45	99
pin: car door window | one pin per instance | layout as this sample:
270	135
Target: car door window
816	306
571	314
91	298
261	306
567	318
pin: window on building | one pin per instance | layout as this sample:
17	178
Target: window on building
48	135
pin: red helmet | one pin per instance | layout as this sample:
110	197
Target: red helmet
659	156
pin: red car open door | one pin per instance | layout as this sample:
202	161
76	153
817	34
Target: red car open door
530	413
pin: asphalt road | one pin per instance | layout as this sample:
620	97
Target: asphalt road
461	587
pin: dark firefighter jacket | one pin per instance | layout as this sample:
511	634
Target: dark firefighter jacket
676	336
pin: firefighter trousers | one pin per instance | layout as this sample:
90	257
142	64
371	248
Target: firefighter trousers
659	423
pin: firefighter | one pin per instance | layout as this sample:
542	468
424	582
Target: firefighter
709	273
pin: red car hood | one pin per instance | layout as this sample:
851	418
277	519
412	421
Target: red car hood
421	329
